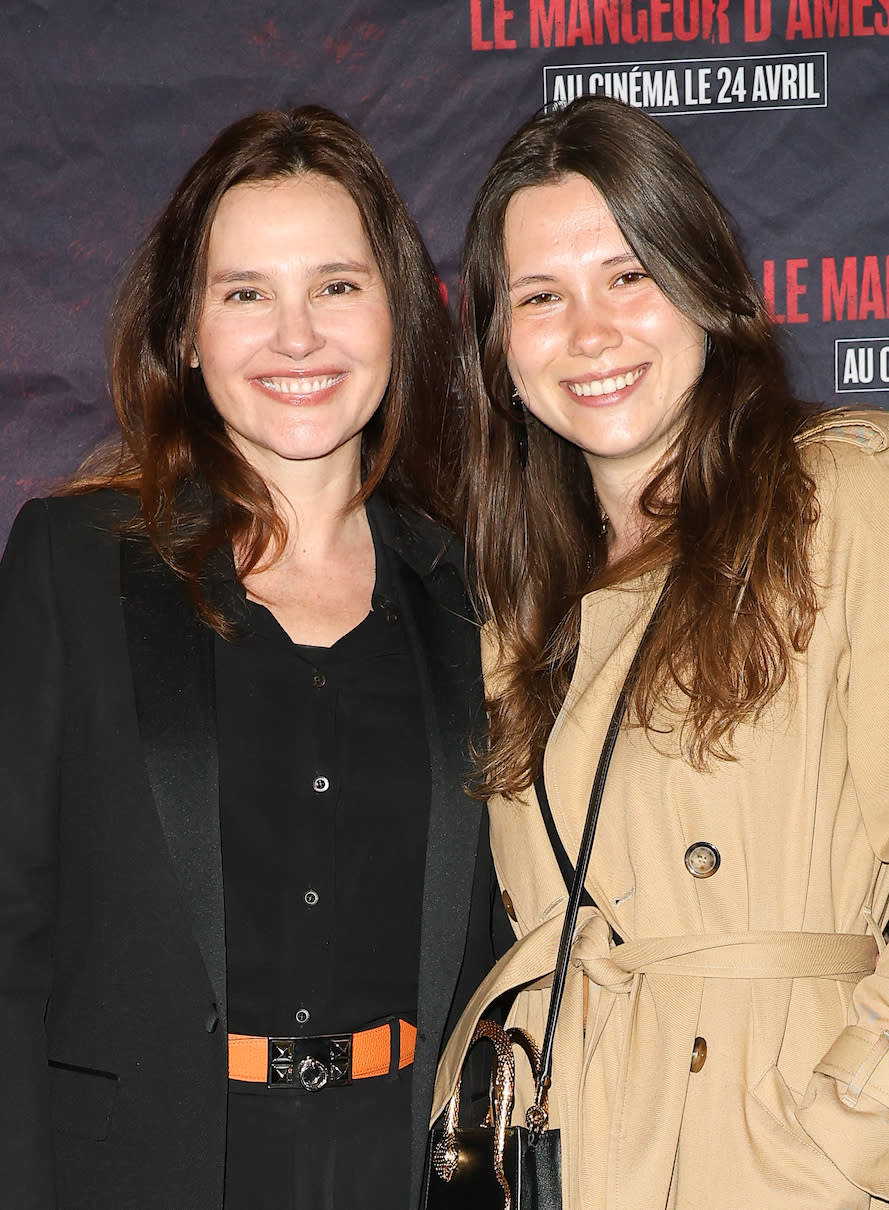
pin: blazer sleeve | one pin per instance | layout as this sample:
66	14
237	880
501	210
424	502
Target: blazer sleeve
489	934
32	661
846	1106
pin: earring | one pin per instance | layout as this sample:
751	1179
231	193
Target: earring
520	427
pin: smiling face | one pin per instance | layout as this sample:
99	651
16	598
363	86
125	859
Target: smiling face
596	350
294	338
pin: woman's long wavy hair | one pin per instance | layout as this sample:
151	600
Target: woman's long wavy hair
731	505
197	493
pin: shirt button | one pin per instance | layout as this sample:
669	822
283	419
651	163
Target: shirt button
320	784
702	859
698	1054
302	1015
319	680
311	898
508	905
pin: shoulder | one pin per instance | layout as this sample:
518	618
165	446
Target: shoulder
865	431
847	439
427	547
68	532
97	513
847	454
440	547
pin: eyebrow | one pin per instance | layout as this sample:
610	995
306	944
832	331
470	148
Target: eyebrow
227	276
232	275
343	266
531	279
535	279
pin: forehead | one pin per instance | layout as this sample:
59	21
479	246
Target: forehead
567	215
299	209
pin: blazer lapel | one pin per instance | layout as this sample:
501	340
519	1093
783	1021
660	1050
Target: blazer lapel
171	654
445	645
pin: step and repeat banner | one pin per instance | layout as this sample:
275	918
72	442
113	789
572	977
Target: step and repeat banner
105	103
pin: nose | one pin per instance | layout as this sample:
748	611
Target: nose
593	328
296	331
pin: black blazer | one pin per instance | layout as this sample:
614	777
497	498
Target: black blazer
112	947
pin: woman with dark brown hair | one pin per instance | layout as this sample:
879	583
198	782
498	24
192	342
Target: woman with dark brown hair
724	1038
239	677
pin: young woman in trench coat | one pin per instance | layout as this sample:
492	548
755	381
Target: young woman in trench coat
724	1039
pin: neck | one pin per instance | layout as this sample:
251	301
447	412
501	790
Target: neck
619	501
313	496
619	483
320	584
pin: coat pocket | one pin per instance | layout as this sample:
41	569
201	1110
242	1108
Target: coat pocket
784	1147
81	1100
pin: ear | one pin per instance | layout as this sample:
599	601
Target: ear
194	361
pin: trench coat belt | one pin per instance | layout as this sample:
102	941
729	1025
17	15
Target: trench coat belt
748	955
651	1085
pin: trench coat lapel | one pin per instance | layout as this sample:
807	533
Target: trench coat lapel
171	655
444	641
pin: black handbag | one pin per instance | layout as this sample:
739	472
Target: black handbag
498	1166
480	1167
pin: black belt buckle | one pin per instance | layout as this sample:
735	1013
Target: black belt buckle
310	1063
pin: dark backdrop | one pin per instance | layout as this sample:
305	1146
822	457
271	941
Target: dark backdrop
105	103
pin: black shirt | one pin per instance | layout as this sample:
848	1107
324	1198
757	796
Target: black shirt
324	800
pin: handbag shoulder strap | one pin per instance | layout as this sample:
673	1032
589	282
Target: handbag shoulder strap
537	1114
561	853
566	869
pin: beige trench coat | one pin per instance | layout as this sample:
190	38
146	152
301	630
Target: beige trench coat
771	959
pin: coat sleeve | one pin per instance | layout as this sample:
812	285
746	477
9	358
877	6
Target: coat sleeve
31	660
846	1106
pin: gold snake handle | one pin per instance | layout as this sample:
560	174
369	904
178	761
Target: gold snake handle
446	1154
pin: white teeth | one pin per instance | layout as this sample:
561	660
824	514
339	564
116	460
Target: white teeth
300	386
605	386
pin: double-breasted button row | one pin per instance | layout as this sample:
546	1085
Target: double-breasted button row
702	859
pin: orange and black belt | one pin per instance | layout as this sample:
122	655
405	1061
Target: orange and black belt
326	1061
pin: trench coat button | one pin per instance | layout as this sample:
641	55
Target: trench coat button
319	680
320	785
302	1015
509	905
702	859
211	1019
698	1054
311	898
